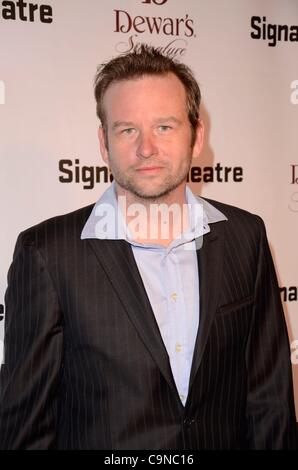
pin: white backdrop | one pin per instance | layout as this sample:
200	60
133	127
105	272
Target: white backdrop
244	55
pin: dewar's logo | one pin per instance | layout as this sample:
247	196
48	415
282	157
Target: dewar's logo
294	93
293	206
177	30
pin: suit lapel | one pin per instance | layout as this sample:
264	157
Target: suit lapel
210	263
118	262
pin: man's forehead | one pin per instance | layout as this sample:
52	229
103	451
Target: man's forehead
146	91
137	81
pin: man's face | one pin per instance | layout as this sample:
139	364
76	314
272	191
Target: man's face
149	136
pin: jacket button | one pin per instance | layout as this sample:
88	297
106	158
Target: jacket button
188	422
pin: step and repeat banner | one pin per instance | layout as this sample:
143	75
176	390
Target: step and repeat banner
244	55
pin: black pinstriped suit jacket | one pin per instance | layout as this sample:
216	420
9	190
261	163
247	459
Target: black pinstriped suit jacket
85	365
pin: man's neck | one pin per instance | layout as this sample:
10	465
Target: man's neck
154	221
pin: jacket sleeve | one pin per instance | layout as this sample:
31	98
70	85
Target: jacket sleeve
270	401
32	353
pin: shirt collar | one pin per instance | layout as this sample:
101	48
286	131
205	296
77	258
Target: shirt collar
107	222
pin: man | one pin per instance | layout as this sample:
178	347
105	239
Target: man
123	335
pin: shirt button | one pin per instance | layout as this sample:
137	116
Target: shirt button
178	347
174	296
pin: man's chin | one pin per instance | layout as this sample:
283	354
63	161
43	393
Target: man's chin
152	194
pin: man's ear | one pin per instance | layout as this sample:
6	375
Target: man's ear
102	144
199	139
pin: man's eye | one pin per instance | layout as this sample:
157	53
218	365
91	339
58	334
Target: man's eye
164	128
128	131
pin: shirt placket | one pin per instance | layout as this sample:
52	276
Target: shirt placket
177	315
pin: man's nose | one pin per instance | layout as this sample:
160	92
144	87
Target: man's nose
146	146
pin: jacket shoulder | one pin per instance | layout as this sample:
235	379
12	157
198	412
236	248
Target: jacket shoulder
238	218
66	226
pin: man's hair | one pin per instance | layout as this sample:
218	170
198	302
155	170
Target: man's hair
146	60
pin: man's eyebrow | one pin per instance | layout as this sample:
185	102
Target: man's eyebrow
160	120
168	119
117	124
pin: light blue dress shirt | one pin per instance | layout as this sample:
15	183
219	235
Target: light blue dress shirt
170	275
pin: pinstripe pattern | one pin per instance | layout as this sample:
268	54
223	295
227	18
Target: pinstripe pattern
85	365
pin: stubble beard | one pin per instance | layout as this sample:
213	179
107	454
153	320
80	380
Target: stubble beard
128	183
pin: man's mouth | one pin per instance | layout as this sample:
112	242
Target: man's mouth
149	169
